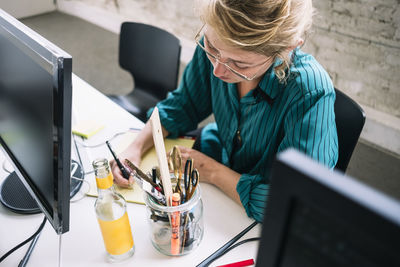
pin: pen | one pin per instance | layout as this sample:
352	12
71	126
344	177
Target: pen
154	174
141	174
124	172
239	263
147	187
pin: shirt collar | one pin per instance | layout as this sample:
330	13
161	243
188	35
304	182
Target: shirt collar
270	84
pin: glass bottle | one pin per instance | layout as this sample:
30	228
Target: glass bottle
112	216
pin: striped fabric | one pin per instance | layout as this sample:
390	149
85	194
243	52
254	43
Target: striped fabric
270	118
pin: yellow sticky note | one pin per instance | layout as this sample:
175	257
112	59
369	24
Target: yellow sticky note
87	128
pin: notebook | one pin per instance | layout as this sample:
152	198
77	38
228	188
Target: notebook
149	160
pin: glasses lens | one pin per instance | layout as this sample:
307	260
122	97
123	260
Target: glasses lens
230	65
215	58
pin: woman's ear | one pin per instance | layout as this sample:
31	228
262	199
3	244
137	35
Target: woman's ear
298	43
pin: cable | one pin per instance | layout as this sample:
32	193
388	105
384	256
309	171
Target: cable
26	241
4	166
79	155
222	250
28	253
232	247
238	244
98	145
59	249
103	143
83	196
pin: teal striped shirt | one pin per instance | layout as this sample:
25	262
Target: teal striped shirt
270	118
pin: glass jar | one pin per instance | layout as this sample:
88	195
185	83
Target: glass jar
190	229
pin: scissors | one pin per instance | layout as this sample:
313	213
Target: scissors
191	179
176	164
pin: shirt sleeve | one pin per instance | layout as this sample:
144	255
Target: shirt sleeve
190	103
253	195
310	127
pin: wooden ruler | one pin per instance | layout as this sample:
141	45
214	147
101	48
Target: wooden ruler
161	155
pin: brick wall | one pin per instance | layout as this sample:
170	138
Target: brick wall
357	41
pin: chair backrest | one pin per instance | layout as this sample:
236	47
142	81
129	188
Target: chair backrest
350	119
151	55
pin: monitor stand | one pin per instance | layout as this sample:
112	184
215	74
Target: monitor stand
15	196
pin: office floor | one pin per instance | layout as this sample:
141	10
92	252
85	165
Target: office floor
95	59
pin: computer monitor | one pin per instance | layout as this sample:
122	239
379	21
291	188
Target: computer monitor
318	217
35	120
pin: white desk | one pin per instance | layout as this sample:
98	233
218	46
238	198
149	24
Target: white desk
83	244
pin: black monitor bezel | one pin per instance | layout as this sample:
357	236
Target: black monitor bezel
58	212
296	177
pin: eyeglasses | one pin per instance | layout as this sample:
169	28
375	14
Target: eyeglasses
217	58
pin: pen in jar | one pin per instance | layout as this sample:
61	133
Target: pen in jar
124	172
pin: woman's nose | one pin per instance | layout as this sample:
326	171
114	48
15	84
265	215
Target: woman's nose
219	69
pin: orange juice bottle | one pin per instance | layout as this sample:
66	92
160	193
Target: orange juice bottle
112	216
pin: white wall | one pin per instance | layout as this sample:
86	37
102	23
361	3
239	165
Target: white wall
26	8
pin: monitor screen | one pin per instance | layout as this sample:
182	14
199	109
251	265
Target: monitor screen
35	116
319	217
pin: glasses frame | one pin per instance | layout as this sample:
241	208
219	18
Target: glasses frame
217	58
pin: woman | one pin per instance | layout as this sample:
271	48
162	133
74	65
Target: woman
266	95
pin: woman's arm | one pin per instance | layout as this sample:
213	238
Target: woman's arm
245	189
213	172
179	113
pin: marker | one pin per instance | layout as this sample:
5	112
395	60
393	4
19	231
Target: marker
175	224
239	263
124	172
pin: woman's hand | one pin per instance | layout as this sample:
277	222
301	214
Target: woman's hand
213	172
133	156
142	143
203	163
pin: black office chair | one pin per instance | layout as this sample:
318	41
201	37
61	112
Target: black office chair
350	119
152	56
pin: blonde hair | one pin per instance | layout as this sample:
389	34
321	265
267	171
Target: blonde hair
267	27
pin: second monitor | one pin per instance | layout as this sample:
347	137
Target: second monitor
318	217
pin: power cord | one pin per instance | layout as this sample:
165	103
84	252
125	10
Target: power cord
238	244
28	253
103	143
79	154
3	165
26	241
84	194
